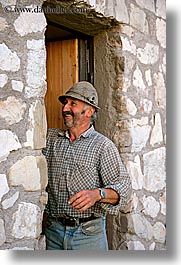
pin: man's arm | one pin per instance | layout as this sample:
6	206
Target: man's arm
84	199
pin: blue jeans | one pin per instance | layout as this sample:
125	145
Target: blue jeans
87	236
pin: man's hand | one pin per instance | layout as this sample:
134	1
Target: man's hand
84	199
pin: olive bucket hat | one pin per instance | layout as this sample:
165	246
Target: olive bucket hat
83	91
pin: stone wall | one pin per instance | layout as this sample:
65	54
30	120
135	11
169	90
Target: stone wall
130	69
23	170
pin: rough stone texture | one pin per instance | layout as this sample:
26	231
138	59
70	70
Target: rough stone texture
27	221
154	170
9	142
7	203
2	234
27	172
32	22
9	61
4	188
12	110
3	80
36	134
129	70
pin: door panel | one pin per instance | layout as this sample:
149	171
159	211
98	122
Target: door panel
62	73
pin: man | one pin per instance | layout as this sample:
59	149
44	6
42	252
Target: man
87	179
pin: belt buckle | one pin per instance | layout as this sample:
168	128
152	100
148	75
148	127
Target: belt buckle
73	221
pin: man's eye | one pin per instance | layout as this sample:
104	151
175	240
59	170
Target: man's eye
73	103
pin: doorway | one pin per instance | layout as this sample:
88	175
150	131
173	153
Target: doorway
69	60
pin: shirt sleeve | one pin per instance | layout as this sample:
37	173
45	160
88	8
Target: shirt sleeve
114	175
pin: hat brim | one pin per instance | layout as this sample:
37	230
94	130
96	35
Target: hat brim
76	96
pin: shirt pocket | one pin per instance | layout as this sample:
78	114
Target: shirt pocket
83	178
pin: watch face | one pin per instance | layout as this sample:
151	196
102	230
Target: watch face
103	194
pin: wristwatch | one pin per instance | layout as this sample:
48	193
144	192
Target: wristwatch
103	194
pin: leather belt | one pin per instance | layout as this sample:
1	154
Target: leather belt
74	221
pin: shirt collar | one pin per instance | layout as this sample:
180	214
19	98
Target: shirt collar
85	134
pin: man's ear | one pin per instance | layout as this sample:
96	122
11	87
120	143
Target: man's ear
90	112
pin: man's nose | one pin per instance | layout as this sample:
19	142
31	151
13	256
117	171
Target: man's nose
66	107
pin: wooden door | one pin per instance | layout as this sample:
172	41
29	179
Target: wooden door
62	73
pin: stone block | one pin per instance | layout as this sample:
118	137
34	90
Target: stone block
31	21
2	233
12	110
149	54
156	134
154	170
3	80
27	221
30	172
9	61
36	134
9	142
4	188
160	90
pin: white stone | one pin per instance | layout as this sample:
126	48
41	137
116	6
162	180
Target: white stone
159	232
8	2
148	4
92	3
21	248
2	234
110	9
160	90
163	203
151	206
126	84
36	68
154	169
9	60
131	107
100	6
9	142
138	19
26	172
152	246
35	44
128	45
135	245
10	201
161	8
121	12
138	79
163	65
156	134
36	134
145	105
135	202
3	24
17	85
4	188
27	221
30	22
134	170
3	80
148	77
149	54
140	226
12	110
140	131
161	32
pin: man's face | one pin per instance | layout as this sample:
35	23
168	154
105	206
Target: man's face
73	112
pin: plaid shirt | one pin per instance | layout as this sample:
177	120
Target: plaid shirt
90	162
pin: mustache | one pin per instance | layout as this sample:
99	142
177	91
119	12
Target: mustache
65	113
